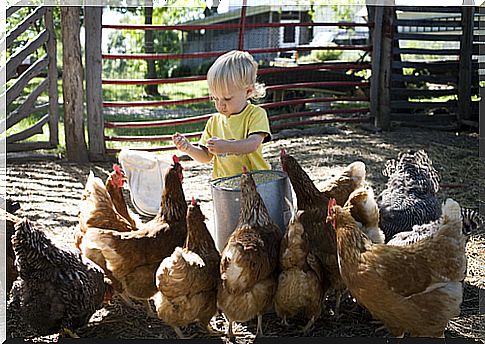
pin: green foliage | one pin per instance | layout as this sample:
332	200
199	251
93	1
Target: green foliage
321	56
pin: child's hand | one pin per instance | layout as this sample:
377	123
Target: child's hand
216	145
181	142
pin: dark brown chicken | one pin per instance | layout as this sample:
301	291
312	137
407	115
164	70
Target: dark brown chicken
132	258
187	280
414	289
57	287
314	203
10	221
301	282
249	261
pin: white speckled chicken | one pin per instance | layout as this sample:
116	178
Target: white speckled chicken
410	195
414	289
249	261
57	288
187	281
471	222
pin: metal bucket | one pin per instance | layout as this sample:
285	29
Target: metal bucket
272	185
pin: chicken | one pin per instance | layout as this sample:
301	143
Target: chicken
471	221
114	185
341	185
57	289
10	221
249	261
131	258
413	289
187	280
410	195
324	244
98	209
301	281
364	210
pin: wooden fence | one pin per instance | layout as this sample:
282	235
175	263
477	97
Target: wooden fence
306	80
433	67
24	106
404	78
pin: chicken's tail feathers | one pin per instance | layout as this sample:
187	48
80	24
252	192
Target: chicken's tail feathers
472	220
357	171
451	210
31	247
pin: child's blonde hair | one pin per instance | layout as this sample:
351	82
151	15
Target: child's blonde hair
236	68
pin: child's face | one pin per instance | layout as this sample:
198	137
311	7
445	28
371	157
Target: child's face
231	102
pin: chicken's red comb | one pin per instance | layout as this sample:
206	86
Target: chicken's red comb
117	168
175	159
193	200
282	152
245	169
331	203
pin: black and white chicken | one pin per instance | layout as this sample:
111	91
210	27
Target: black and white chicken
57	289
410	195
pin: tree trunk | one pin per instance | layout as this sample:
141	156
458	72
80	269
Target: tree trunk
151	90
72	85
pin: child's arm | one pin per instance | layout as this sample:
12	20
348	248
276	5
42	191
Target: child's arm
199	154
216	145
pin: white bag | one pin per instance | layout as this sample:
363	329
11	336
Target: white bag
145	172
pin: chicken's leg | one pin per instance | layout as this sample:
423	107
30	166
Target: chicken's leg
259	330
284	322
180	334
70	333
309	325
230	334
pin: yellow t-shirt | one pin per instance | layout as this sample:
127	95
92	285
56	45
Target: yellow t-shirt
252	119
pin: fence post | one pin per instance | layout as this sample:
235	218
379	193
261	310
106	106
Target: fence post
465	72
242	24
52	76
94	95
383	44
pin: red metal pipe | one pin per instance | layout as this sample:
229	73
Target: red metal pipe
218	53
312	100
148	137
334	66
156	102
242	23
227	26
149	149
156	124
316	113
319	121
316	84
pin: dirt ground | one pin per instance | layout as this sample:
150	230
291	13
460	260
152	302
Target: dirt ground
49	193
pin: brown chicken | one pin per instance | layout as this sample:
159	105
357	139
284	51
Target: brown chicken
346	181
98	209
114	185
132	258
301	282
363	208
187	280
249	261
324	244
413	289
